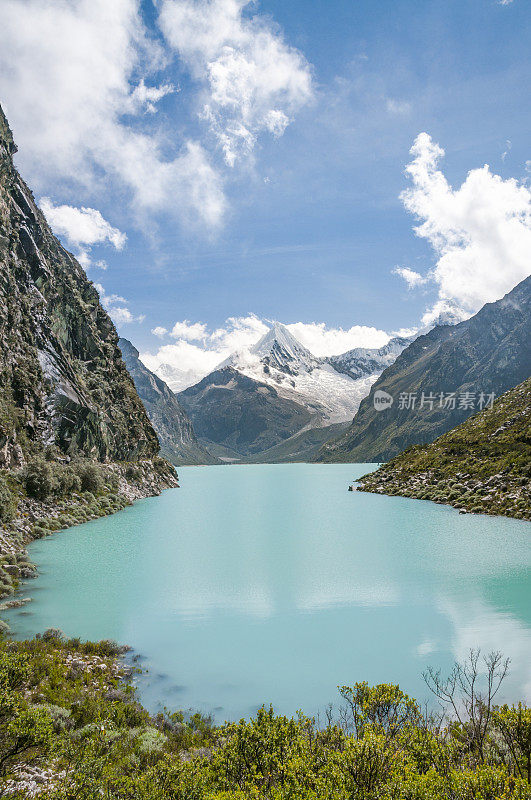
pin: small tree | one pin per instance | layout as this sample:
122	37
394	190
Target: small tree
462	695
90	476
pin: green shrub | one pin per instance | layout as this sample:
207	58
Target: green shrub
90	475
39	479
7	502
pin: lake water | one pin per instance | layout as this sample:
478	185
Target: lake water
273	583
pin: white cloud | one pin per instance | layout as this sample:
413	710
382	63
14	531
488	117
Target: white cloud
82	228
189	331
146	97
159	331
253	80
68	80
480	232
508	147
323	341
412	278
117	307
399	107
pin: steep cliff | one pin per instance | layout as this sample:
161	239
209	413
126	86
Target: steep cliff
173	426
62	378
67	401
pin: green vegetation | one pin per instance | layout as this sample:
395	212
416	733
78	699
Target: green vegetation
68	713
7	501
483	465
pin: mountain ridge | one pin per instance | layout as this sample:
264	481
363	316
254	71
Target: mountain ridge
487	353
174	428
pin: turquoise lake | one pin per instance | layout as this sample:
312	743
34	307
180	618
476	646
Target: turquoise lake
273	583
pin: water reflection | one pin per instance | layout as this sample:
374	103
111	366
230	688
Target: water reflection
273	583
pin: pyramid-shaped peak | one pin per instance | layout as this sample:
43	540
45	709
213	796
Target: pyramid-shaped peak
279	348
278	338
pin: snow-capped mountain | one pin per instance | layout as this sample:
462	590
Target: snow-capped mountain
364	361
279	360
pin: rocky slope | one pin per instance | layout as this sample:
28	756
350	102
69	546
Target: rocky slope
457	367
65	393
172	424
483	465
241	415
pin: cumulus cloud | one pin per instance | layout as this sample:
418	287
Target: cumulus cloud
199	350
68	80
412	278
117	307
189	331
253	81
480	231
82	228
159	331
324	341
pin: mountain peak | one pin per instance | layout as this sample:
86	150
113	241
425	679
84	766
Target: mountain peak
281	348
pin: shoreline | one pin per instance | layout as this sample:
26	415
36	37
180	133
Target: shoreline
36	519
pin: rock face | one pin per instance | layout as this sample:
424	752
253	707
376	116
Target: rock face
62	378
483	465
488	353
174	428
239	415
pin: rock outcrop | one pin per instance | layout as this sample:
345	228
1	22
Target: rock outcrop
62	378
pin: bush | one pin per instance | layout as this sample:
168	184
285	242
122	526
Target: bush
7	502
90	476
39	479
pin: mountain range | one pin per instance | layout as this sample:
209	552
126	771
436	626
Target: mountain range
276	401
440	379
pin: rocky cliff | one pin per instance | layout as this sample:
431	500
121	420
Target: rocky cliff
441	379
173	426
75	439
62	378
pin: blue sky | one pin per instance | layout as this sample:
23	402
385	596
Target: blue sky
307	225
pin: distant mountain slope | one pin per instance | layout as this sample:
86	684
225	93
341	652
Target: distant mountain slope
62	378
302	446
241	414
483	465
178	441
488	353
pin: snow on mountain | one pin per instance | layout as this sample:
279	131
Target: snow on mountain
279	360
364	361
